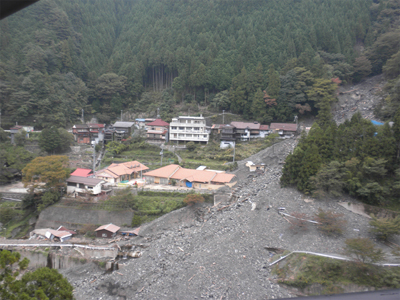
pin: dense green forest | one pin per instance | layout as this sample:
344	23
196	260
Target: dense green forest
357	157
59	57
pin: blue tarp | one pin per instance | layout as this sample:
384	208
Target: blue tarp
376	123
188	184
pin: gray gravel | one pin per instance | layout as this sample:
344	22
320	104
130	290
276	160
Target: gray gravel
209	252
220	252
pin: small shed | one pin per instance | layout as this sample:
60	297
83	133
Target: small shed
255	167
107	231
133	232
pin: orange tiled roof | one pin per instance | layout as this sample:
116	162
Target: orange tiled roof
193	175
109	227
223	178
179	173
126	168
164	172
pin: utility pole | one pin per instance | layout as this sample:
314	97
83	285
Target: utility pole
0	118
161	153
94	157
83	117
158	113
121	115
234	147
223	116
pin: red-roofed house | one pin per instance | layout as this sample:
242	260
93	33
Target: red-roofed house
285	130
116	173
188	177
81	172
107	231
157	132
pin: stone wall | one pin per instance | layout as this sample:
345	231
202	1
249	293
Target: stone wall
73	218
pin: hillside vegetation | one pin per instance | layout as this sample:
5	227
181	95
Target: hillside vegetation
59	57
356	157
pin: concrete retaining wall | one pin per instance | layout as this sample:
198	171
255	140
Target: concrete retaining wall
19	196
53	259
54	216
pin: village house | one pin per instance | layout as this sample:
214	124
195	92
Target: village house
175	174
82	172
62	234
255	167
19	128
188	129
157	132
82	186
245	131
285	130
121	172
140	123
88	133
123	130
107	231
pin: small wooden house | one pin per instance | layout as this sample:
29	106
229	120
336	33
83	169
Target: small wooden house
107	231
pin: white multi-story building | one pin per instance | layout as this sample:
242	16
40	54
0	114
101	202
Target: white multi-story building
188	129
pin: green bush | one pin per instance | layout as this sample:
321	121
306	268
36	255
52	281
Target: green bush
385	228
136	221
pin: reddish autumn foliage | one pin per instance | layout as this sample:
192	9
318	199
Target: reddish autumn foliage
192	199
268	100
303	108
336	80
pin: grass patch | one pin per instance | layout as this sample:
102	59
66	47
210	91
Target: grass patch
146	205
215	158
139	150
22	222
302	270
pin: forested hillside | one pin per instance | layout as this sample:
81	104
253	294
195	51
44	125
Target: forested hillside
59	57
357	157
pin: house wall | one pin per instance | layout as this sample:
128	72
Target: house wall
104	234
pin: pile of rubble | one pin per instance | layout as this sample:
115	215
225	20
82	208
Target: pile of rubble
362	97
221	251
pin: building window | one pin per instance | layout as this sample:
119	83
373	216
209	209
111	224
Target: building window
205	136
173	127
181	128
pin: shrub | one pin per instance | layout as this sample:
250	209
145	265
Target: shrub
385	228
191	146
192	199
136	221
298	222
6	214
330	222
88	230
363	250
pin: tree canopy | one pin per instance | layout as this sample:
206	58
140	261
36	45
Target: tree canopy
43	283
46	172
